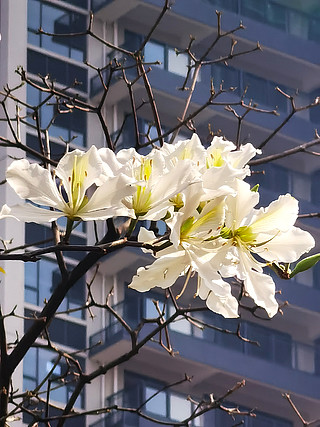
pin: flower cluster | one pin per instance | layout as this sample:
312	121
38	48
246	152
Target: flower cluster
214	228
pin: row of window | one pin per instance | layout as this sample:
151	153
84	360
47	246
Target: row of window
61	71
278	15
280	180
261	91
42	277
168	405
274	346
62	123
53	19
40	363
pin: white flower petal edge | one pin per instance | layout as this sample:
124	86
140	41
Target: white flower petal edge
29	213
77	171
31	181
259	286
162	273
280	215
287	247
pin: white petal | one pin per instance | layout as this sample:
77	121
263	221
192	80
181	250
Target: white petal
30	213
145	235
110	163
217	180
210	220
168	185
260	287
110	194
241	205
88	166
240	158
191	149
105	213
287	247
31	181
279	215
227	305
162	273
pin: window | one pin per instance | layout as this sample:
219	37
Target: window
62	331
228	76
63	72
254	9
40	280
158	404
154	52
38	363
274	345
67	124
231	5
60	21
169	60
301	186
263	92
165	405
180	407
276	15
177	64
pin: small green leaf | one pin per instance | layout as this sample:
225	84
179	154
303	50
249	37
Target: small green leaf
305	264
255	189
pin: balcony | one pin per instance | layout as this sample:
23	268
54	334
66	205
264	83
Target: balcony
171	406
167	78
283	29
279	361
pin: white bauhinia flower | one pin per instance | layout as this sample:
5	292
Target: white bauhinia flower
250	235
190	231
218	165
156	184
65	191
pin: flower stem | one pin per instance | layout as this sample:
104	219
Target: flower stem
68	230
131	227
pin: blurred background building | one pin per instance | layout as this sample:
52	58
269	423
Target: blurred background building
288	357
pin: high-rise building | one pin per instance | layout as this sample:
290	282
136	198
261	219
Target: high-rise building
288	356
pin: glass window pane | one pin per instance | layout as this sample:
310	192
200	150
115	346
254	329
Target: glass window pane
158	404
154	52
33	38
29	383
31	282
229	76
301	186
177	63
150	309
30	271
264	338
276	100
30	364
276	15
34	15
51	15
49	277
180	407
298	24
181	325
254	9
59	132
257	88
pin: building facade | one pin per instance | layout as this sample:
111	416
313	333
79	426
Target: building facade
288	357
